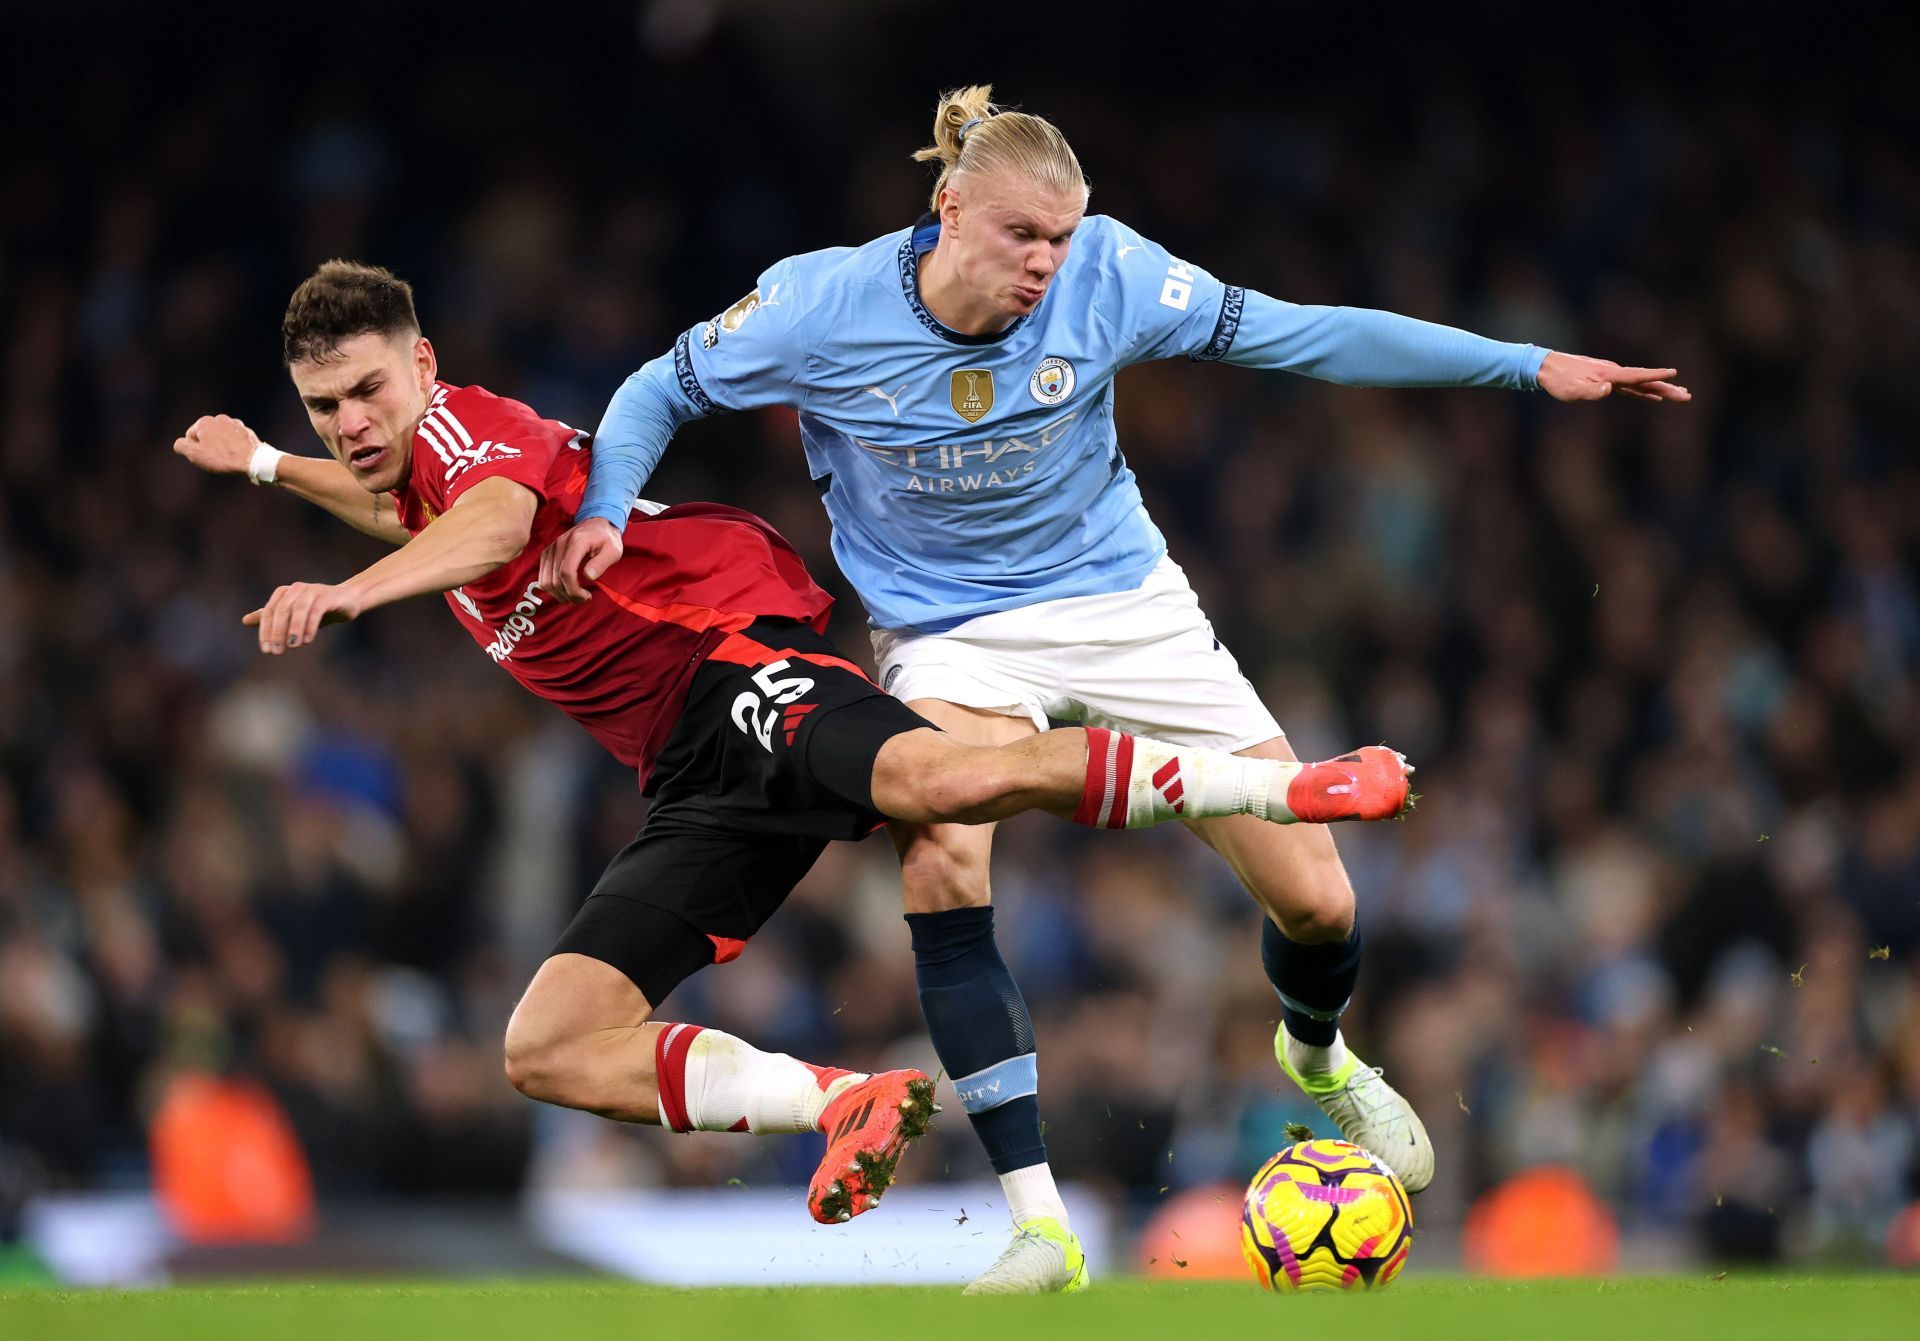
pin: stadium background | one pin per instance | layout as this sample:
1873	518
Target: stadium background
1656	664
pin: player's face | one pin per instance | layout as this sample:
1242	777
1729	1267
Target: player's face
366	403
1011	237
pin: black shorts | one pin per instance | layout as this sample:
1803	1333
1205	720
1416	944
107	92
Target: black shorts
771	759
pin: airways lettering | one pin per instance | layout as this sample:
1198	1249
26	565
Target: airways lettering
966	484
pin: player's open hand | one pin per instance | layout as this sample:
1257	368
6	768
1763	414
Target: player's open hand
1577	377
574	562
217	443
294	614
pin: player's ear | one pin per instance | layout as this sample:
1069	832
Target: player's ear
949	211
425	366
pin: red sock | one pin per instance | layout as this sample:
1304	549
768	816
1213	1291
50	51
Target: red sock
1135	781
1103	800
670	1066
711	1081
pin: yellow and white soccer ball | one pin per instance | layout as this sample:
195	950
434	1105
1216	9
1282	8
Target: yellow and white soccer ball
1325	1215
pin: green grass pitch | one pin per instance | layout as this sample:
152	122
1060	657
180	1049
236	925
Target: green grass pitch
1821	1308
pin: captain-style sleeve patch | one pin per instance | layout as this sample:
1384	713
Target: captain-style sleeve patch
1232	302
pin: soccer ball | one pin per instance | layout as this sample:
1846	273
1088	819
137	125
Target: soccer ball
1325	1215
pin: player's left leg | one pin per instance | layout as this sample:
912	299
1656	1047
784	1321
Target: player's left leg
583	1035
1310	947
1113	780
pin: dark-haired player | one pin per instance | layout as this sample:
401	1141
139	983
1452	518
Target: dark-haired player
702	666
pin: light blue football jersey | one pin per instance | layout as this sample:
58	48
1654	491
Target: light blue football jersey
966	474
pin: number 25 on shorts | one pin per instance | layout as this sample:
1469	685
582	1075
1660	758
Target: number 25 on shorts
747	714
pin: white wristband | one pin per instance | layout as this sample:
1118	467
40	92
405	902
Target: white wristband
264	466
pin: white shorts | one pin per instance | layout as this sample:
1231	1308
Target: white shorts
1143	661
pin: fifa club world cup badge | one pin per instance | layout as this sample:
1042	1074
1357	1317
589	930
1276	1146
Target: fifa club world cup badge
972	393
1052	381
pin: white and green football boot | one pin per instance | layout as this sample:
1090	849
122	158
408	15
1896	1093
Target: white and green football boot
1369	1112
1044	1258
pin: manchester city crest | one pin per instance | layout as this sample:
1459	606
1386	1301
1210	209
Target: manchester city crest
1052	381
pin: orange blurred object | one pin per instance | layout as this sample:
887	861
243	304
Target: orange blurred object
1903	1238
1544	1222
1195	1236
226	1165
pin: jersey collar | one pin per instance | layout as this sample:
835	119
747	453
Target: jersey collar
920	240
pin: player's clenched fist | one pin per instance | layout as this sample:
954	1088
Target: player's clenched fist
218	444
295	613
575	561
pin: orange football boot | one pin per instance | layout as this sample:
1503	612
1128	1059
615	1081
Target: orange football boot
867	1129
1371	783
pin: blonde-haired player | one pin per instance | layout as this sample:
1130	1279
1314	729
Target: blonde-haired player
954	383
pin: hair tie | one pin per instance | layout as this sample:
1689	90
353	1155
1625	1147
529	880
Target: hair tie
960	136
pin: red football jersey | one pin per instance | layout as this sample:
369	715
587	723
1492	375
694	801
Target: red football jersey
618	664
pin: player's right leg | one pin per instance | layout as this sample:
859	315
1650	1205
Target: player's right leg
583	1035
1162	671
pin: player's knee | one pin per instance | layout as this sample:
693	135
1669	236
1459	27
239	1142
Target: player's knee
957	793
522	1066
535	1062
928	778
1320	914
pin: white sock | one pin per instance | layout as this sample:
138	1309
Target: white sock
1310	1059
1030	1192
710	1081
1174	782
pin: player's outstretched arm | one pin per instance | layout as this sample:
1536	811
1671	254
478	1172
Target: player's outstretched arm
221	445
1577	377
751	355
1357	346
486	526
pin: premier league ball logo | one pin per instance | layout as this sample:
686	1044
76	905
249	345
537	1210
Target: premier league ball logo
1052	381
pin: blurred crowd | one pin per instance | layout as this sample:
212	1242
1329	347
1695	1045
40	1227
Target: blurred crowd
1657	916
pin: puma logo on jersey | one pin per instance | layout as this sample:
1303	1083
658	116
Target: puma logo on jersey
893	401
1125	248
1166	781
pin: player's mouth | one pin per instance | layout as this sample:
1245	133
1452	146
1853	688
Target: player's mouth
366	459
1029	295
